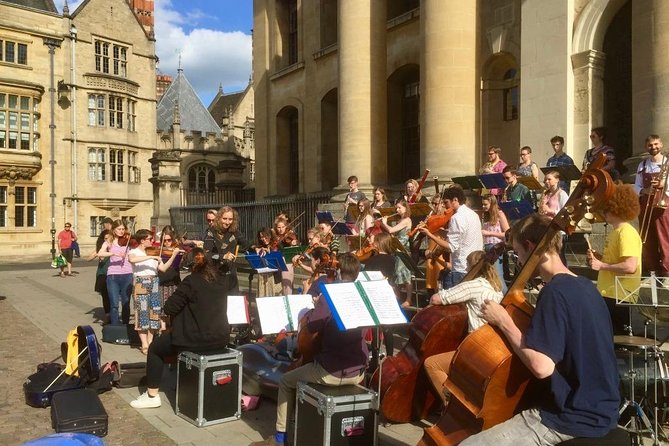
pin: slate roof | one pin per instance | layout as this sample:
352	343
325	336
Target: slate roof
194	115
42	5
222	101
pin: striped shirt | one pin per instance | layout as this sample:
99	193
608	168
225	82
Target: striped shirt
472	293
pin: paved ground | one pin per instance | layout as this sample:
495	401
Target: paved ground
36	313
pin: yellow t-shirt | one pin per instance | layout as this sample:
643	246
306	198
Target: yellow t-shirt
621	242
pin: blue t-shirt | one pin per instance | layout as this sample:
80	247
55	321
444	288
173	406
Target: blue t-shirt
572	326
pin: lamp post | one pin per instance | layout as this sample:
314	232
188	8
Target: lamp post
52	44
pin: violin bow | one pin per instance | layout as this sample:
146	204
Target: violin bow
127	245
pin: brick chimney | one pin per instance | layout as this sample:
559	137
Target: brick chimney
143	9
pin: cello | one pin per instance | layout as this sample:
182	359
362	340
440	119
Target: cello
487	381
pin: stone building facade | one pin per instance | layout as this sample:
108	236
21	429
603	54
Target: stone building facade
77	119
386	89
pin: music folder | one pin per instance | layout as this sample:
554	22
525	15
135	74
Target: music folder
363	304
567	173
282	313
493	180
269	263
515	210
468	182
530	182
238	310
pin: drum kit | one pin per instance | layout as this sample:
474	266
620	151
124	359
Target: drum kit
643	371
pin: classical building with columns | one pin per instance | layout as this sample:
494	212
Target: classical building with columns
77	119
386	89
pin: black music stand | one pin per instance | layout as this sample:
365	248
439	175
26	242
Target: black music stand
420	209
468	182
338	227
515	210
325	216
493	181
567	173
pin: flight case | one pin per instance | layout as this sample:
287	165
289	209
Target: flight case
209	387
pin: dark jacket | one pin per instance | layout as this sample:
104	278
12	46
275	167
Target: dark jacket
199	311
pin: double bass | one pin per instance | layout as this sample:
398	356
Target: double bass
487	381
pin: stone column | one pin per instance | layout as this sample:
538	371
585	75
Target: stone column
650	71
362	91
448	94
588	99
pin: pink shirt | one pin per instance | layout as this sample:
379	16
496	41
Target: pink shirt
117	265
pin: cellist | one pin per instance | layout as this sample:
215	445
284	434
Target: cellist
568	343
487	285
342	358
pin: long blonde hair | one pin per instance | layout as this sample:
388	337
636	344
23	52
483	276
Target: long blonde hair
488	270
492	216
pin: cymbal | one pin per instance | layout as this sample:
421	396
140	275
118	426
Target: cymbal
633	341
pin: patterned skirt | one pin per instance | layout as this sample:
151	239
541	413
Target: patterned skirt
146	297
402	273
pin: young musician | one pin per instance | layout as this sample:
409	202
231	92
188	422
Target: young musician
353	197
494	225
622	255
380	199
285	237
552	201
325	227
487	285
527	167
342	359
514	191
199	323
648	183
119	272
567	344
365	220
401	231
599	146
228	242
559	158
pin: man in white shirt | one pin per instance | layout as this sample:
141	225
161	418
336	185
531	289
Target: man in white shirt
464	235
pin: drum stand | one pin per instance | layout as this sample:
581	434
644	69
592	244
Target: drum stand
638	416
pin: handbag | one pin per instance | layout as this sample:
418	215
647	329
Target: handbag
60	261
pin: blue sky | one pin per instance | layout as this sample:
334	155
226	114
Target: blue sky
213	38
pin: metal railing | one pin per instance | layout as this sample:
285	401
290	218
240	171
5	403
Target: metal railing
254	214
219	196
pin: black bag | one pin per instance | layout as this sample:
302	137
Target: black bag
40	387
123	334
79	411
132	374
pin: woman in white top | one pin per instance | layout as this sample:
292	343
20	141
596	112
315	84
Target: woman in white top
145	291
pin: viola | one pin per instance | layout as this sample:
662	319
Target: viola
487	381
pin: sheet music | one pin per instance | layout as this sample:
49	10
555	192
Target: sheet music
364	276
348	305
237	310
382	298
266	270
273	313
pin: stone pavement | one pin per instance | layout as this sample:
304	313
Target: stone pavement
38	310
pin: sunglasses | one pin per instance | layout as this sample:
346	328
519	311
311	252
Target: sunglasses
167	239
210	220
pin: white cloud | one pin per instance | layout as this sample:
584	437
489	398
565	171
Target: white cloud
208	57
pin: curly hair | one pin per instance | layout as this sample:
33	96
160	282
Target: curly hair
624	203
235	220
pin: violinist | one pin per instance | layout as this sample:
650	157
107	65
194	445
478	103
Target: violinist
342	359
322	269
487	285
168	280
382	261
493	228
267	282
331	240
146	294
567	344
365	220
315	238
119	272
401	231
436	259
263	241
284	237
228	241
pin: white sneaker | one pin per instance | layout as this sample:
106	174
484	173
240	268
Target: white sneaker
144	401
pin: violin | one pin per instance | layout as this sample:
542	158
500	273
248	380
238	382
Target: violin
487	381
365	253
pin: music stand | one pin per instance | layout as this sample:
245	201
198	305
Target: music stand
530	182
567	172
493	181
468	182
260	264
650	293
420	209
275	259
325	216
515	210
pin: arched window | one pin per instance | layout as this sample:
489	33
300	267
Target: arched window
201	179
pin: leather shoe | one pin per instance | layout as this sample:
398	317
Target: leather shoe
269	441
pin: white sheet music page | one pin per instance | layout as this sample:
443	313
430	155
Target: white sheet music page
369	275
299	304
348	305
273	315
237	310
382	298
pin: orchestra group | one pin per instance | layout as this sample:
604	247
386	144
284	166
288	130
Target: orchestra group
463	236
